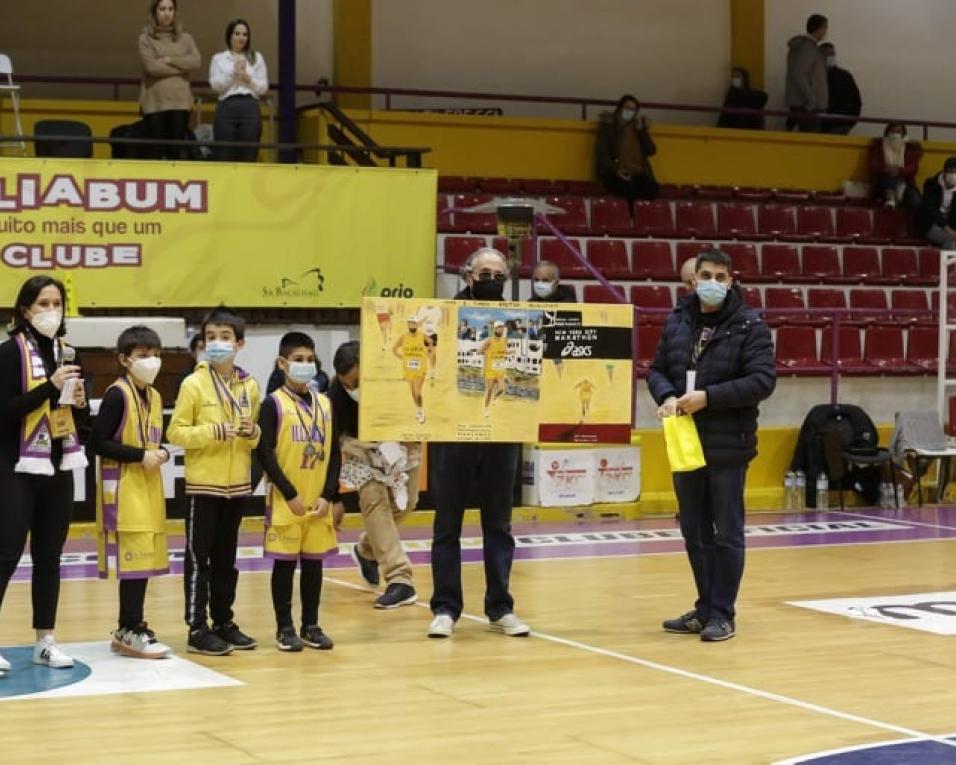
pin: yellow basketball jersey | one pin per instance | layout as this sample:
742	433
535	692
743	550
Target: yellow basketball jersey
128	497
496	357
304	461
413	353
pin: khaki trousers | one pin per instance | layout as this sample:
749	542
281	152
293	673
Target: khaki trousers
381	541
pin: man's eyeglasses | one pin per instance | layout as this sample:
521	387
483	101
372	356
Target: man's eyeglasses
489	276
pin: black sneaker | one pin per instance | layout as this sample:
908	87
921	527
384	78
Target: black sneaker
686	624
203	640
287	640
314	637
396	595
368	569
717	629
235	637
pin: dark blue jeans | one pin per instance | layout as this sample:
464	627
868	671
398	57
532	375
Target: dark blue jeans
711	504
453	467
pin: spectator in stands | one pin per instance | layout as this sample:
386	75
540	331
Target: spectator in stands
807	91
894	163
844	94
197	349
936	216
238	75
741	96
624	149
688	273
492	469
168	55
726	345
546	285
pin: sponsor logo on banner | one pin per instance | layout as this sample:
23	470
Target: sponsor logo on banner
309	284
933	612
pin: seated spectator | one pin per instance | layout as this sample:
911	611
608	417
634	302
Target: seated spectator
624	149
741	96
546	285
844	95
894	164
936	216
688	273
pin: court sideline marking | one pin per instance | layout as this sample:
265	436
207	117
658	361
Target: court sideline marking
689	675
941	527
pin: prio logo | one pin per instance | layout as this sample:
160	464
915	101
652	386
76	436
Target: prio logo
401	291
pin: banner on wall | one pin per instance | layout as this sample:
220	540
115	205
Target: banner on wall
151	234
445	370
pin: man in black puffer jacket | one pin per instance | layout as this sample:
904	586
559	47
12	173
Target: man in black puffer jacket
716	336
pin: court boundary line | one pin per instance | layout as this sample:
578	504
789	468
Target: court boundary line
911	734
914	524
806	758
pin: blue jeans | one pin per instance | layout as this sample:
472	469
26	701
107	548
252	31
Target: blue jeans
452	469
711	504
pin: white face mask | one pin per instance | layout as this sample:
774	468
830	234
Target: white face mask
353	394
831	62
895	139
302	372
542	288
737	82
47	323
146	370
950	179
628	114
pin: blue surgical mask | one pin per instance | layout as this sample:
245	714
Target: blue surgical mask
628	114
219	351
711	292
542	288
301	372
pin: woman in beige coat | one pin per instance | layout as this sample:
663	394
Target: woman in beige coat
168	55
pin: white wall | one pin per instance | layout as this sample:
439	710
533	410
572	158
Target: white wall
661	50
899	51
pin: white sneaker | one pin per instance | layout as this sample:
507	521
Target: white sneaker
139	644
509	624
48	654
4	666
441	627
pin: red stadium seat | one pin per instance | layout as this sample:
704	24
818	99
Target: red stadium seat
574	219
610	215
777	221
499	186
752	296
547	188
891	226
736	221
883	348
598	293
922	348
815	222
653	260
929	265
822	263
673	191
784	306
652	296
654	218
457	249
781	262
911	307
714	192
456	184
687	250
792	195
443	222
869	306
648	338
823	298
862	266
797	351
554	250
744	258
475	223
753	194
901	264
829	197
695	219
849	353
609	256
581	188
854	224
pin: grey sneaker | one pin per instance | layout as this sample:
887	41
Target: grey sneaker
717	629
509	624
441	627
686	624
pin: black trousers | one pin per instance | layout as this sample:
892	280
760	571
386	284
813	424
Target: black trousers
209	568
641	186
237	119
711	502
166	126
310	591
132	596
40	506
452	468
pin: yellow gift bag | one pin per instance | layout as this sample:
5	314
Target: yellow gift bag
684	451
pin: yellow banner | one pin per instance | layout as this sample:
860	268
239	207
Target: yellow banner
195	234
445	370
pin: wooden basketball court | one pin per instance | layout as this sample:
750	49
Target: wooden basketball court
598	682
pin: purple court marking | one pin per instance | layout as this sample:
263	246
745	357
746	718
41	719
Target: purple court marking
602	539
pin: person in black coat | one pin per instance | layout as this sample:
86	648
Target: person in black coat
546	285
623	152
935	219
725	343
741	96
844	94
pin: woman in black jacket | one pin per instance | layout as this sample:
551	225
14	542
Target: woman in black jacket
39	448
936	217
624	151
741	96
